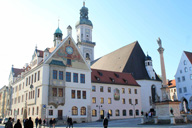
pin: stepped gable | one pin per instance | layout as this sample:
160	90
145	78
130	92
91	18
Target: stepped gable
128	59
189	55
110	77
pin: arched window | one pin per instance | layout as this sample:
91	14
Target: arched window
87	56
185	62
74	110
117	112
94	112
137	112
130	112
186	69
124	112
110	112
83	110
153	93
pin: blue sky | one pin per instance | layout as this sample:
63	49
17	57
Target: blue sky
116	23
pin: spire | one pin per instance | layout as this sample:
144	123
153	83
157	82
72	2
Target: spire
58	22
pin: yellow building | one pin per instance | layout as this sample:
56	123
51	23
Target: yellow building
3	101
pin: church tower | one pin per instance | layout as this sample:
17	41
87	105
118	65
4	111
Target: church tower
57	37
149	67
84	35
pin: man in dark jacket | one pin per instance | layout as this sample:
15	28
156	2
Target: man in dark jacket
18	124
9	123
36	121
40	122
105	122
29	123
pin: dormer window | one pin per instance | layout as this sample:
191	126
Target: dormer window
112	79
116	75
100	73
97	78
125	80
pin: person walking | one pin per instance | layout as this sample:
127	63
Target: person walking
9	124
50	123
18	124
68	122
40	122
146	115
29	123
105	122
36	121
44	122
54	122
25	123
71	122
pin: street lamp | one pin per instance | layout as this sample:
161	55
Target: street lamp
99	111
134	108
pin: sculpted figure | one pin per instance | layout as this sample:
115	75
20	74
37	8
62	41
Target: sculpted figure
159	42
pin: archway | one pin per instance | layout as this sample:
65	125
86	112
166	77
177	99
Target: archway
184	105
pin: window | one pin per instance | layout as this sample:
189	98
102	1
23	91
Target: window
191	76
28	111
38	92
124	112
102	100
135	91
37	111
93	88
60	75
78	94
72	94
109	100
22	111
109	89
50	112
117	112
26	82
68	61
60	92
185	69
19	99
33	111
123	90
26	97
38	75
29	80
54	74
180	90
82	80
136	101
32	79
110	112
68	76
101	88
22	98
123	101
130	112
129	90
74	110
20	87
130	101
184	89
35	77
137	112
94	100
75	77
178	79
84	94
54	91
183	78
94	112
33	94
83	111
185	62
180	71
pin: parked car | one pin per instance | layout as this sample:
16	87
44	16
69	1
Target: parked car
1	120
4	121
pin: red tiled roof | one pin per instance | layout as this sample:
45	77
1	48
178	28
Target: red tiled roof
110	77
189	56
40	53
173	84
52	49
17	71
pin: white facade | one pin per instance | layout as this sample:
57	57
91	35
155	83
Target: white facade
183	79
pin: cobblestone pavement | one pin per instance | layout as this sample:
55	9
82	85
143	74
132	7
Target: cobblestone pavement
135	122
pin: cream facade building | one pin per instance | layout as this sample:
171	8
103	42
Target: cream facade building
3	101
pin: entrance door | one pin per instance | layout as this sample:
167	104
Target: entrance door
60	114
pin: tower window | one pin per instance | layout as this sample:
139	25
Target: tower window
87	56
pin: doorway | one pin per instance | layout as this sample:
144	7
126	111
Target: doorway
60	114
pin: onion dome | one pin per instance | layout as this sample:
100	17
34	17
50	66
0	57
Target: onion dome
148	57
58	30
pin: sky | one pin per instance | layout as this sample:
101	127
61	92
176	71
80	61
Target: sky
25	24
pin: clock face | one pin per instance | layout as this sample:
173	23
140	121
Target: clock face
69	50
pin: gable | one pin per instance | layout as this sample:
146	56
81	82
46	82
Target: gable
67	50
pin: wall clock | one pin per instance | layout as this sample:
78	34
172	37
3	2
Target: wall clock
69	50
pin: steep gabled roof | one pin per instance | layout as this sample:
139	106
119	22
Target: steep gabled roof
110	77
17	71
128	59
189	55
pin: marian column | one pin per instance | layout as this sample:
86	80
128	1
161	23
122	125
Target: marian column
164	89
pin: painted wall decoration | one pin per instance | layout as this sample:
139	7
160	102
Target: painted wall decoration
69	51
116	94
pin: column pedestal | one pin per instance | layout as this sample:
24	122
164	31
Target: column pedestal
172	118
155	119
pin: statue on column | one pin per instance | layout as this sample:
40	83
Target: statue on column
159	42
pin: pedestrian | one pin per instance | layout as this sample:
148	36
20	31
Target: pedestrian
108	115
71	122
54	122
146	115
36	122
26	123
50	123
29	123
105	122
149	114
44	122
40	122
18	124
9	124
68	122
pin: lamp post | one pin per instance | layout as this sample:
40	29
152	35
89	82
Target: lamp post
99	110
134	108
